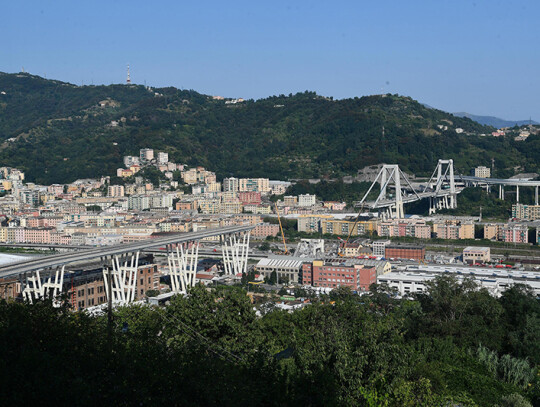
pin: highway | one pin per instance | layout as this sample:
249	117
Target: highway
14	269
499	181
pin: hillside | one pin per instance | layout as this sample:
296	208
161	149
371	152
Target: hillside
494	121
58	132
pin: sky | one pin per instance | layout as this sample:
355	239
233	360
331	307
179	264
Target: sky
481	57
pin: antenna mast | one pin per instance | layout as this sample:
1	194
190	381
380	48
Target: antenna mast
128	79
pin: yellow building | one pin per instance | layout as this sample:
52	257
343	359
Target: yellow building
344	227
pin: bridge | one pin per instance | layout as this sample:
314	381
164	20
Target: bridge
43	277
516	182
441	189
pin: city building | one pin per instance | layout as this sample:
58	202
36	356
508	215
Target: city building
482	172
345	226
412	252
526	212
254	184
146	154
453	229
264	230
507	232
476	255
162	158
287	268
379	247
338	274
412	227
230	184
306	200
115	190
249	197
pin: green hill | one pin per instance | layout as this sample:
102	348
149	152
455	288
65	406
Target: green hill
59	132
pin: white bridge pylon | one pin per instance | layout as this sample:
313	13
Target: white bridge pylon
183	265
445	201
36	288
123	278
388	176
235	250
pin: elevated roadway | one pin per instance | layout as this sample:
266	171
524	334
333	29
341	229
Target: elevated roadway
14	269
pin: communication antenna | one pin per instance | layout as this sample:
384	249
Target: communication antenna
128	79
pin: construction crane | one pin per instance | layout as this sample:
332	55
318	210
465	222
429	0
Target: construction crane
344	244
281	229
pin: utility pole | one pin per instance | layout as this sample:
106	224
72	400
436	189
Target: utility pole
109	311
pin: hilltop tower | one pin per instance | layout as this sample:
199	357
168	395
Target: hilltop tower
128	79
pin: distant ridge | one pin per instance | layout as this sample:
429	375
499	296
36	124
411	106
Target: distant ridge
494	121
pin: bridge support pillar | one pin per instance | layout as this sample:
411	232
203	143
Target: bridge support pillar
536	195
517	193
183	266
235	250
37	288
123	279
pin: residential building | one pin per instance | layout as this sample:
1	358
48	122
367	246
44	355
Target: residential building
404	227
453	229
115	190
349	226
254	184
526	212
146	154
290	200
306	200
249	197
230	184
482	172
263	230
162	158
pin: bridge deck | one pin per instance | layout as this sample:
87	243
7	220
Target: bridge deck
14	269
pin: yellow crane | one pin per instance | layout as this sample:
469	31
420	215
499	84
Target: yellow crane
281	228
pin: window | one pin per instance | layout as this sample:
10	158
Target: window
142	281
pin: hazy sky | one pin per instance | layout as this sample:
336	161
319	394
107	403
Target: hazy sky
476	56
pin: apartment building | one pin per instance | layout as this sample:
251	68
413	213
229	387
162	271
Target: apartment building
453	229
344	227
264	230
306	200
482	172
115	190
146	154
526	212
254	184
404	227
507	232
230	184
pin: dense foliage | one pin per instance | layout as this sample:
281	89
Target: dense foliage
60	132
457	345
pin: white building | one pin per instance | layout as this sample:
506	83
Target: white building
379	246
230	184
482	172
162	158
146	154
306	200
